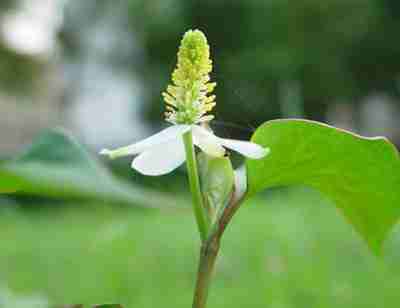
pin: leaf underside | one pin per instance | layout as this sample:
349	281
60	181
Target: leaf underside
361	175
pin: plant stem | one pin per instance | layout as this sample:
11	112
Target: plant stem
209	252
208	256
202	218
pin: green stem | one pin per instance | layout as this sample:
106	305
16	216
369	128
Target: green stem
202	219
208	256
210	248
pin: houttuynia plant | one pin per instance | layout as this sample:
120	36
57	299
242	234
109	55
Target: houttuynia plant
361	175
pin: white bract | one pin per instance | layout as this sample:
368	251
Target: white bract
163	152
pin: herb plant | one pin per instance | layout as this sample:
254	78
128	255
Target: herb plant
361	175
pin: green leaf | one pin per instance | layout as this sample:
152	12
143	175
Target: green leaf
361	175
217	180
108	306
55	165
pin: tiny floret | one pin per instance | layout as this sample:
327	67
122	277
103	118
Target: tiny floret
189	97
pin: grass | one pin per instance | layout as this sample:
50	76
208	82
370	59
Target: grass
288	249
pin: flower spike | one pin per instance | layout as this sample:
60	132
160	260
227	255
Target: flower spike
189	98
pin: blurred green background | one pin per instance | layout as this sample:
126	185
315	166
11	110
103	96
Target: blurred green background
97	68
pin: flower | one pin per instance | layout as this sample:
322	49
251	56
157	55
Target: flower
188	101
163	152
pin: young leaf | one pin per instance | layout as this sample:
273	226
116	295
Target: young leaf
217	180
361	175
55	165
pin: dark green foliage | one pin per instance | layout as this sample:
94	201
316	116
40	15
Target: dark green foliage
335	49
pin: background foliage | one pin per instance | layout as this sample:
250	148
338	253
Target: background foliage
336	49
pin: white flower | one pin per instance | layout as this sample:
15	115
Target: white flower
164	152
189	99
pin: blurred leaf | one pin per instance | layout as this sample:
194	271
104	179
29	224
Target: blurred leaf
7	190
108	306
55	165
217	179
361	175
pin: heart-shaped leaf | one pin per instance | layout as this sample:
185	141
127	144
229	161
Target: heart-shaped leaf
55	165
361	175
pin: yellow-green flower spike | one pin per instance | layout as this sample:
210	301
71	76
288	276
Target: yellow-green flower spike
189	98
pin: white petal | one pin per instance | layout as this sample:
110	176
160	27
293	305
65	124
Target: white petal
160	159
170	133
248	149
207	141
